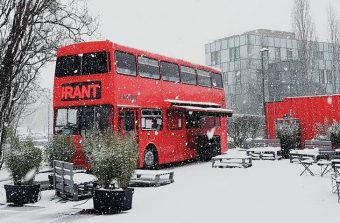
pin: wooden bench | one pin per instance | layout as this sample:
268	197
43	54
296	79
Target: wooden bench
64	185
312	144
151	178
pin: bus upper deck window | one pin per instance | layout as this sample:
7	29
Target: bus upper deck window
203	78
148	68
188	75
94	63
216	79
125	63
68	66
170	72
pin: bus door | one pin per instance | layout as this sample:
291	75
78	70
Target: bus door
127	122
176	135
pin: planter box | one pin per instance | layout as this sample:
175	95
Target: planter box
24	194
111	201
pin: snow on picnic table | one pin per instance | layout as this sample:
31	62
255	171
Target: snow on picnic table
269	191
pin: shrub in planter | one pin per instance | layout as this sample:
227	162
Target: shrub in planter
334	134
112	157
61	148
22	160
287	133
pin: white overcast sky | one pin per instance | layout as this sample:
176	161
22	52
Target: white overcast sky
180	28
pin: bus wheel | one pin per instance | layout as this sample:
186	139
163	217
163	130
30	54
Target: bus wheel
150	158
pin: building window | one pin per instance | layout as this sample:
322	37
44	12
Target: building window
329	77
238	77
322	76
277	53
216	58
234	53
289	54
321	55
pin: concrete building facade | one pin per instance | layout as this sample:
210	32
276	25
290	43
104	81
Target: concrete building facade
239	59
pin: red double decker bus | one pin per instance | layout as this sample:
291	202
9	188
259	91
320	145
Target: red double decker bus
175	109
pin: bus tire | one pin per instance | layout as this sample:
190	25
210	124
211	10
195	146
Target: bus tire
150	158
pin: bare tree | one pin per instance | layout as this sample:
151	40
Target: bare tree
303	27
334	32
30	32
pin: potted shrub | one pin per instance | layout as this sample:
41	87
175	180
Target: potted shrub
334	134
287	132
22	160
112	157
61	148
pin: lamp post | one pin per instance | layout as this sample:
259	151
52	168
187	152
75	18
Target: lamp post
47	95
263	90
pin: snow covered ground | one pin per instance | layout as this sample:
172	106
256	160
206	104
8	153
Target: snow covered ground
269	191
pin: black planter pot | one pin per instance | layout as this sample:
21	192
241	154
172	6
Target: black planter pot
23	194
111	201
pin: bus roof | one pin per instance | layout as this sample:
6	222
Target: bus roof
95	46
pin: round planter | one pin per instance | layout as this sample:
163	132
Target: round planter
23	194
111	201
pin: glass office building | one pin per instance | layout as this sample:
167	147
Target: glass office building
239	58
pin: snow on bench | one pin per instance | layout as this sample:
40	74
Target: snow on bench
151	178
69	185
227	165
231	159
269	152
298	155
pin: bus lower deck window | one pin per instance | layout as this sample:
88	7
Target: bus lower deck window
151	119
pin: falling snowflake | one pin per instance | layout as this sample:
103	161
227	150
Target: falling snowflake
329	100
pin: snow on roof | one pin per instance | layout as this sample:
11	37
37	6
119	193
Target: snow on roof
192	102
209	109
265	149
314	96
128	106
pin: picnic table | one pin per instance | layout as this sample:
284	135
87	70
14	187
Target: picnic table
232	160
303	154
306	164
272	153
336	166
325	166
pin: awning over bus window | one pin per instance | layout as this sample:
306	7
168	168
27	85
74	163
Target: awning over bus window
192	103
207	110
